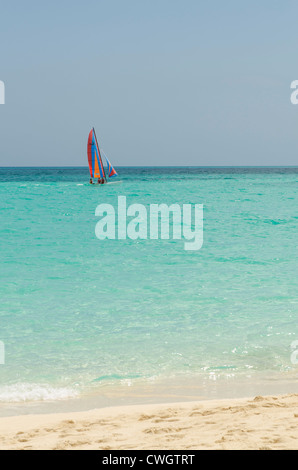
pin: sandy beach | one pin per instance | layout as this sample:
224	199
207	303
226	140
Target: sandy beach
261	422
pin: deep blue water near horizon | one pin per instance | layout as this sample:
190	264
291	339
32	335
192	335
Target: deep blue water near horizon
83	317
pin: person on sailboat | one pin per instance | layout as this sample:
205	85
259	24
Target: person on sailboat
91	182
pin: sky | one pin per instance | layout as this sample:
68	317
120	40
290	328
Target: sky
164	82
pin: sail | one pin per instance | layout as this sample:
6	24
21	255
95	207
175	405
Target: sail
94	158
111	169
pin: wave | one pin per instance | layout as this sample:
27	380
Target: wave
25	392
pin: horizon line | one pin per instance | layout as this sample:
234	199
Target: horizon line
154	166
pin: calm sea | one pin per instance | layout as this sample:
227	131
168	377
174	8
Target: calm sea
113	321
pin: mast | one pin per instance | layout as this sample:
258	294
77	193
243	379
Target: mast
103	169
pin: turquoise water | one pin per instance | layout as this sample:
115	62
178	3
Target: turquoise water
86	317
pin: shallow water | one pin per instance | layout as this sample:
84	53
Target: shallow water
79	314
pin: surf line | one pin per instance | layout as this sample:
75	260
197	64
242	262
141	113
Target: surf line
187	220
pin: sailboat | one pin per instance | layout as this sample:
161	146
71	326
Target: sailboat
96	166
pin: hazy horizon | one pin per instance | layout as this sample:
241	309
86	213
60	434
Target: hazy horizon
155	166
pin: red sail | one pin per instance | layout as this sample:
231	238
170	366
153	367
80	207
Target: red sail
94	158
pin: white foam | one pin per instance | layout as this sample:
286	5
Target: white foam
24	392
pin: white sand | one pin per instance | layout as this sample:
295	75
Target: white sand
269	422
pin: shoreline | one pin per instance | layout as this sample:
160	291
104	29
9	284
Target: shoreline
260	422
149	392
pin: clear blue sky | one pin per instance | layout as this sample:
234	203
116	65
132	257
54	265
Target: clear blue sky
164	82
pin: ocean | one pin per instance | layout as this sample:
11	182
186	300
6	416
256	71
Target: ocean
88	322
